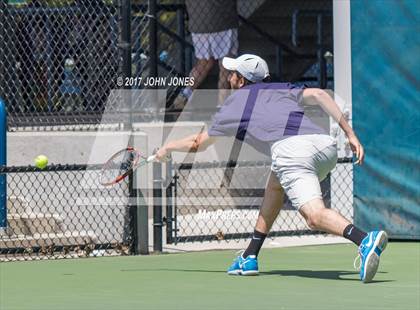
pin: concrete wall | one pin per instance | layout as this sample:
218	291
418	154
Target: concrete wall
63	147
68	147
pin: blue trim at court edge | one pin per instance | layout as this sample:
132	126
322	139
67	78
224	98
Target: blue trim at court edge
3	187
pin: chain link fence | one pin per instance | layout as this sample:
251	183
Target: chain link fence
62	212
202	209
60	59
60	62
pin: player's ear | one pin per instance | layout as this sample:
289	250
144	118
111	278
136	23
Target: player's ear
242	82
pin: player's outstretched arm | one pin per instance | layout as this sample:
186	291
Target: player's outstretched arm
316	96
194	143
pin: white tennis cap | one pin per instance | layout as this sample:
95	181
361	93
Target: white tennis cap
252	67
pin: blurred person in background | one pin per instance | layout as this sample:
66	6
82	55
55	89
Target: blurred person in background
214	29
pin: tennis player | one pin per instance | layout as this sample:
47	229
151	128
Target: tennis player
270	117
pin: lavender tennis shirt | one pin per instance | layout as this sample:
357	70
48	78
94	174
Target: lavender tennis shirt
262	114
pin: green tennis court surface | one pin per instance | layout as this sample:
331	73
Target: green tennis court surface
313	277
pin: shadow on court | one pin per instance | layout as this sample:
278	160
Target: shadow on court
314	274
172	270
320	274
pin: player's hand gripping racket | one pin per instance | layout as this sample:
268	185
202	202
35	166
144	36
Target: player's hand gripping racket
121	164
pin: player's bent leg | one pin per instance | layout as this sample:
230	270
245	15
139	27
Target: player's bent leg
371	247
370	251
247	262
318	217
271	205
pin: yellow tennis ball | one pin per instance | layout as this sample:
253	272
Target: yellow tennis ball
41	161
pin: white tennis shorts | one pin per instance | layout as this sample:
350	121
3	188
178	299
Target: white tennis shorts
216	44
301	163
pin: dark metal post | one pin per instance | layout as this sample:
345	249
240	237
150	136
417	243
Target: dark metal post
157	207
3	180
126	38
132	227
153	38
181	32
295	17
140	216
50	65
153	53
322	75
175	211
142	224
125	46
169	209
279	62
3	44
126	51
132	217
326	183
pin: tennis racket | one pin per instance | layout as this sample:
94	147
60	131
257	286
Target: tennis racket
121	164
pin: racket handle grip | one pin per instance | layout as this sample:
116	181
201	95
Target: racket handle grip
151	158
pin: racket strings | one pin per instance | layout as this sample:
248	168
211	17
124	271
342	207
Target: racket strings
118	166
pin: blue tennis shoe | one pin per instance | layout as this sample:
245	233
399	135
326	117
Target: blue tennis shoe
370	250
244	266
